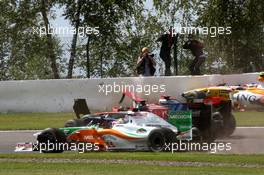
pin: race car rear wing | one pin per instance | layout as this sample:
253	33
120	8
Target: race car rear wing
80	107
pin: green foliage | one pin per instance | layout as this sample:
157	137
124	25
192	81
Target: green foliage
242	50
125	27
124	30
22	51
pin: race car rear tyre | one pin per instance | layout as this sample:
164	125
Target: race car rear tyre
196	135
50	141
229	125
156	140
217	123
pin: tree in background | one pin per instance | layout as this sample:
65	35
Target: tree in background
242	50
124	28
105	15
24	52
45	7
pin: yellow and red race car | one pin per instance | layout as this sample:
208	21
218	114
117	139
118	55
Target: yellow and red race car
250	96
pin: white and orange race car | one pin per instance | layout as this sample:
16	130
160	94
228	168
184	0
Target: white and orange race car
140	131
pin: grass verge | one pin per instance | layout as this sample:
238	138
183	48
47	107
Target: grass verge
19	168
20	121
164	156
249	118
24	167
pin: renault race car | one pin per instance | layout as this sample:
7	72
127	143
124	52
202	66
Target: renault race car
135	131
221	103
249	97
224	98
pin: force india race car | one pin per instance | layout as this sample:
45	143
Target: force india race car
132	131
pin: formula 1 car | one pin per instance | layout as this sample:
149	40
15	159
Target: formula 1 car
219	98
249	97
135	131
120	111
206	121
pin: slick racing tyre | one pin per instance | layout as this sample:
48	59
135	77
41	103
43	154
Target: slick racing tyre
229	125
217	123
169	135
214	128
196	135
156	140
50	141
170	138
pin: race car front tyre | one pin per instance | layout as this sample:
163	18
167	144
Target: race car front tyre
51	140
156	140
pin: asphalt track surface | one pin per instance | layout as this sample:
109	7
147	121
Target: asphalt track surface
245	140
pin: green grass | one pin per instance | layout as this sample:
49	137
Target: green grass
19	121
109	169
13	121
164	156
23	167
249	118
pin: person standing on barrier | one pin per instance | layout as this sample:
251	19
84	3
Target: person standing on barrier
145	63
167	40
196	47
